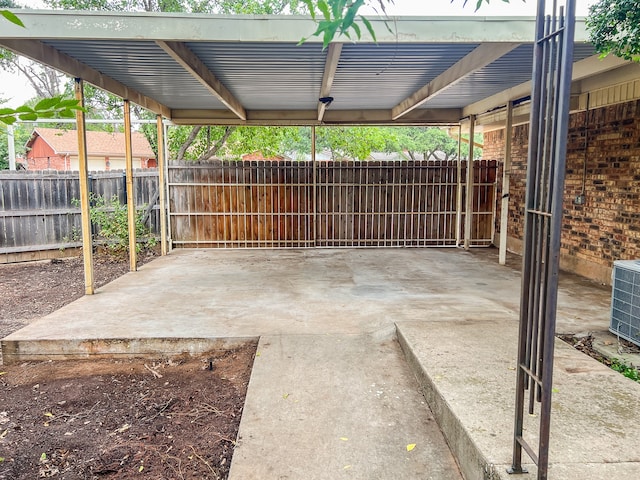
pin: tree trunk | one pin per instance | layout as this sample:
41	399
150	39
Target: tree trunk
190	139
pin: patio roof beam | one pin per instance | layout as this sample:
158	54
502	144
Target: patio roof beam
589	67
480	57
190	62
181	27
47	55
440	116
330	67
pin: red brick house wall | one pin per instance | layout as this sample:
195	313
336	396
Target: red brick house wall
42	157
603	154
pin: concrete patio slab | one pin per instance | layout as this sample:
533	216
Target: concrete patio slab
319	312
467	372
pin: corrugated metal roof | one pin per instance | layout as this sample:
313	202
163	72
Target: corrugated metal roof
273	80
264	76
143	66
381	76
512	69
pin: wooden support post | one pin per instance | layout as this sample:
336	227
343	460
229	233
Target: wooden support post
162	186
131	205
87	240
506	174
468	215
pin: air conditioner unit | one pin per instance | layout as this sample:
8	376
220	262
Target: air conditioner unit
625	300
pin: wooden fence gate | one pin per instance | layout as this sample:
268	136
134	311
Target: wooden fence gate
280	204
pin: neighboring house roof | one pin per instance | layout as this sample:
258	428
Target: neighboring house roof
65	142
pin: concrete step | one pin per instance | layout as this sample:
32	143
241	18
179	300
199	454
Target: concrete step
466	369
337	406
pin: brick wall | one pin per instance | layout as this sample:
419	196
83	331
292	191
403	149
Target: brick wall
603	154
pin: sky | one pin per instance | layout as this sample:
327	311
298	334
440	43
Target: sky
16	90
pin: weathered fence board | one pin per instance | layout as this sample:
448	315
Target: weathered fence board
341	203
38	209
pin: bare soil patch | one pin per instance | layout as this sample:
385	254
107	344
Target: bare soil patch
168	419
164	419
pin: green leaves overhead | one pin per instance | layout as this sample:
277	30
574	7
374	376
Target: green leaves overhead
338	17
55	107
11	17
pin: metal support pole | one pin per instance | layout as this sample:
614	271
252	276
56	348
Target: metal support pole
11	143
168	191
506	177
162	187
87	241
131	205
314	166
468	215
459	190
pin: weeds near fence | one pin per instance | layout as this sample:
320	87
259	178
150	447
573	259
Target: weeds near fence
110	218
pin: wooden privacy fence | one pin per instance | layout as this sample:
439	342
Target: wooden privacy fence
38	209
327	204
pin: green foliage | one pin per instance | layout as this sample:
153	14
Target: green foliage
55	107
111	218
338	17
11	17
614	27
350	142
626	370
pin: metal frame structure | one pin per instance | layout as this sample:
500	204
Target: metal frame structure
293	204
553	60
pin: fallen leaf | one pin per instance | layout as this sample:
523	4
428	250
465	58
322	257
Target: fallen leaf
344	439
606	342
411	446
141	468
48	414
347	467
4	434
43	457
555	390
511	368
124	428
3	373
285	395
257	354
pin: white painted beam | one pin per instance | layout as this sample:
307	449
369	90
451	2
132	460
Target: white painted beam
180	27
422	117
480	57
190	62
330	67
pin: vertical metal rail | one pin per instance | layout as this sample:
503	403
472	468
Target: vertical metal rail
459	189
552	69
506	180
468	215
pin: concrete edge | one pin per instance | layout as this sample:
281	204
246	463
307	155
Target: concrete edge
17	351
473	464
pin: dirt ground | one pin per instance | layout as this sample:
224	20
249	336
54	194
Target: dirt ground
135	418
